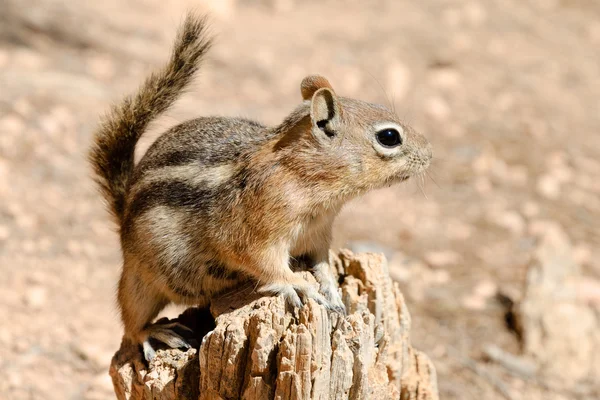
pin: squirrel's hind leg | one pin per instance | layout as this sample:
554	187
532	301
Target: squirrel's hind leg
140	303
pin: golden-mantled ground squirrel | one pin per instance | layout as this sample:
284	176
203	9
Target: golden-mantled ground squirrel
215	201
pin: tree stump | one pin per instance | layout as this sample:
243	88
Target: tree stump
253	348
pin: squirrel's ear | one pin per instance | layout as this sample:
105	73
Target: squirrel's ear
311	84
325	111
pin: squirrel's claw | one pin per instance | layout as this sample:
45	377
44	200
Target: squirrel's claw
297	295
334	299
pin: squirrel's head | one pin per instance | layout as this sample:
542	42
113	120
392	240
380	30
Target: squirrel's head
365	143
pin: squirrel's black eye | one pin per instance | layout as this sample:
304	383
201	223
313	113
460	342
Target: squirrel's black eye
389	137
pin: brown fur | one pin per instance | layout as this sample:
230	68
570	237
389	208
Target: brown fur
124	125
216	201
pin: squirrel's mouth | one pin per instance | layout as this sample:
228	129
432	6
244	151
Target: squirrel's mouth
392	180
395	180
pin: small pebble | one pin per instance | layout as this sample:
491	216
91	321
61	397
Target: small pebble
510	220
475	13
582	253
11	123
473	302
442	258
486	289
548	186
4	232
35	297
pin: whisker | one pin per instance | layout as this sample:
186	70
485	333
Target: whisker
387	97
419	182
433	180
434	168
393	102
422	176
436	159
407	113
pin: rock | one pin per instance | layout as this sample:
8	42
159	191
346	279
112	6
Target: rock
472	302
371	247
35	297
257	349
519	365
548	186
560	330
588	291
582	254
510	220
442	258
486	288
4	232
482	292
475	13
12	124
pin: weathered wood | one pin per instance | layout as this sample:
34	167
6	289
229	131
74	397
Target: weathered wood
256	349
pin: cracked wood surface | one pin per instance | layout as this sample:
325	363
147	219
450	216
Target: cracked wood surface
253	348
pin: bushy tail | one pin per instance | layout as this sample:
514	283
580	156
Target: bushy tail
112	154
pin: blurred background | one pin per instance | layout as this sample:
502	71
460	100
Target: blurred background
496	251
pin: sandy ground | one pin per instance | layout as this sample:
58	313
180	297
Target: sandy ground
507	91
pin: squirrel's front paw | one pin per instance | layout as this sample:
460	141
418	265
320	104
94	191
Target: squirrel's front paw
296	295
332	294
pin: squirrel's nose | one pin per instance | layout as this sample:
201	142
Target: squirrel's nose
424	149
